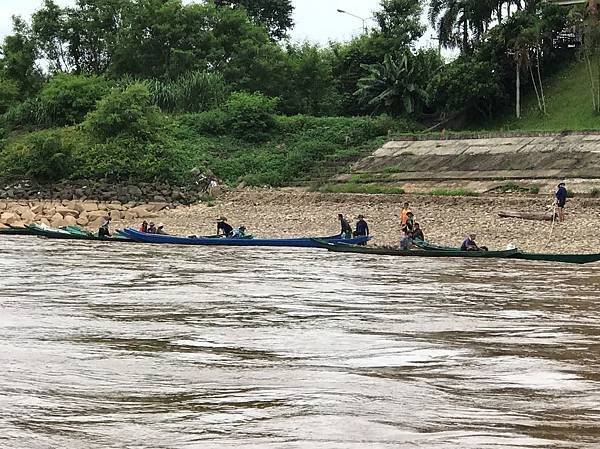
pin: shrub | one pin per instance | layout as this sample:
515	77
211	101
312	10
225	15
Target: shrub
453	192
9	93
595	192
209	123
67	98
44	156
250	117
125	112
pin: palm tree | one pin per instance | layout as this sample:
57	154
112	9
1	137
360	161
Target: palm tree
456	20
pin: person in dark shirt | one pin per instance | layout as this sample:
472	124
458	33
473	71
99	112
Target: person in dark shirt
469	244
362	227
346	229
224	228
103	231
417	233
151	228
561	200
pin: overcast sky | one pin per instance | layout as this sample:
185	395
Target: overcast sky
316	20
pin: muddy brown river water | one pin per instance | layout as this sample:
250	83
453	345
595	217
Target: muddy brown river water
136	346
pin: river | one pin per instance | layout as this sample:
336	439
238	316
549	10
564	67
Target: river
137	346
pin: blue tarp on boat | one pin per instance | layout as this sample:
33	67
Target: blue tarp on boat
305	242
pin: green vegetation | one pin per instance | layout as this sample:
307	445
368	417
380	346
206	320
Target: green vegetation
567	99
149	90
511	187
595	192
351	187
452	192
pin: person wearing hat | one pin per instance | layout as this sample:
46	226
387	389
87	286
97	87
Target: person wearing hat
224	228
144	227
346	229
160	229
561	200
151	228
362	228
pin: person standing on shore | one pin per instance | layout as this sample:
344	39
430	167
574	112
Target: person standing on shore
561	200
404	214
346	229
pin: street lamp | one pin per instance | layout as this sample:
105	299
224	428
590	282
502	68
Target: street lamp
364	20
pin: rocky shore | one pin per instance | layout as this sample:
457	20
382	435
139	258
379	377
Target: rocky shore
296	212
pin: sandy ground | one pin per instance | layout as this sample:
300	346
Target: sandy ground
445	220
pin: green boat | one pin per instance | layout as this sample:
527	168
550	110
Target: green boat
73	233
343	248
16	231
540	257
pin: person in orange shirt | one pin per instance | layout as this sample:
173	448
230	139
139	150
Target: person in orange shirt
404	214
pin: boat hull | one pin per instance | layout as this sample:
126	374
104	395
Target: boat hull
62	234
203	241
343	248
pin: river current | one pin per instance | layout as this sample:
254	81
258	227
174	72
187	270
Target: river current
138	346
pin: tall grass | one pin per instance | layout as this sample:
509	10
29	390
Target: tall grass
194	92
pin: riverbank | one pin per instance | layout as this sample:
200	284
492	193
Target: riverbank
445	220
297	212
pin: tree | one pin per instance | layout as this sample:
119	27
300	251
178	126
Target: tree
275	15
400	23
18	59
396	87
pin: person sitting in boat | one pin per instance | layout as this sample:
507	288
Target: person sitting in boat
224	228
160	229
409	225
144	227
417	233
346	229
239	233
469	244
103	231
151	228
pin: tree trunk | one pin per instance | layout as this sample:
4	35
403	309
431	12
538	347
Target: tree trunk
537	93
592	84
541	84
518	89
465	35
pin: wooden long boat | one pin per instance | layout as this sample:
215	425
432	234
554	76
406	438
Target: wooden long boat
541	257
302	242
16	231
536	216
344	248
73	233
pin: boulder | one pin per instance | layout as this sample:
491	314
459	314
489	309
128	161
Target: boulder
97	215
129	216
89	206
160	198
38	209
65	211
44	221
95	224
16	223
57	221
82	221
2	206
6	217
70	220
114	206
116	214
156	207
28	216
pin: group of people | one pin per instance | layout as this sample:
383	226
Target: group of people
151	228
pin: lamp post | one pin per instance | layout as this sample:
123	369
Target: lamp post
363	19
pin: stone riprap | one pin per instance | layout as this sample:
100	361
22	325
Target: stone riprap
539	159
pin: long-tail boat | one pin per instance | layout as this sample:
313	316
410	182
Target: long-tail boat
302	242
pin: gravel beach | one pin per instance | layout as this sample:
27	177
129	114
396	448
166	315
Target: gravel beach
445	220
